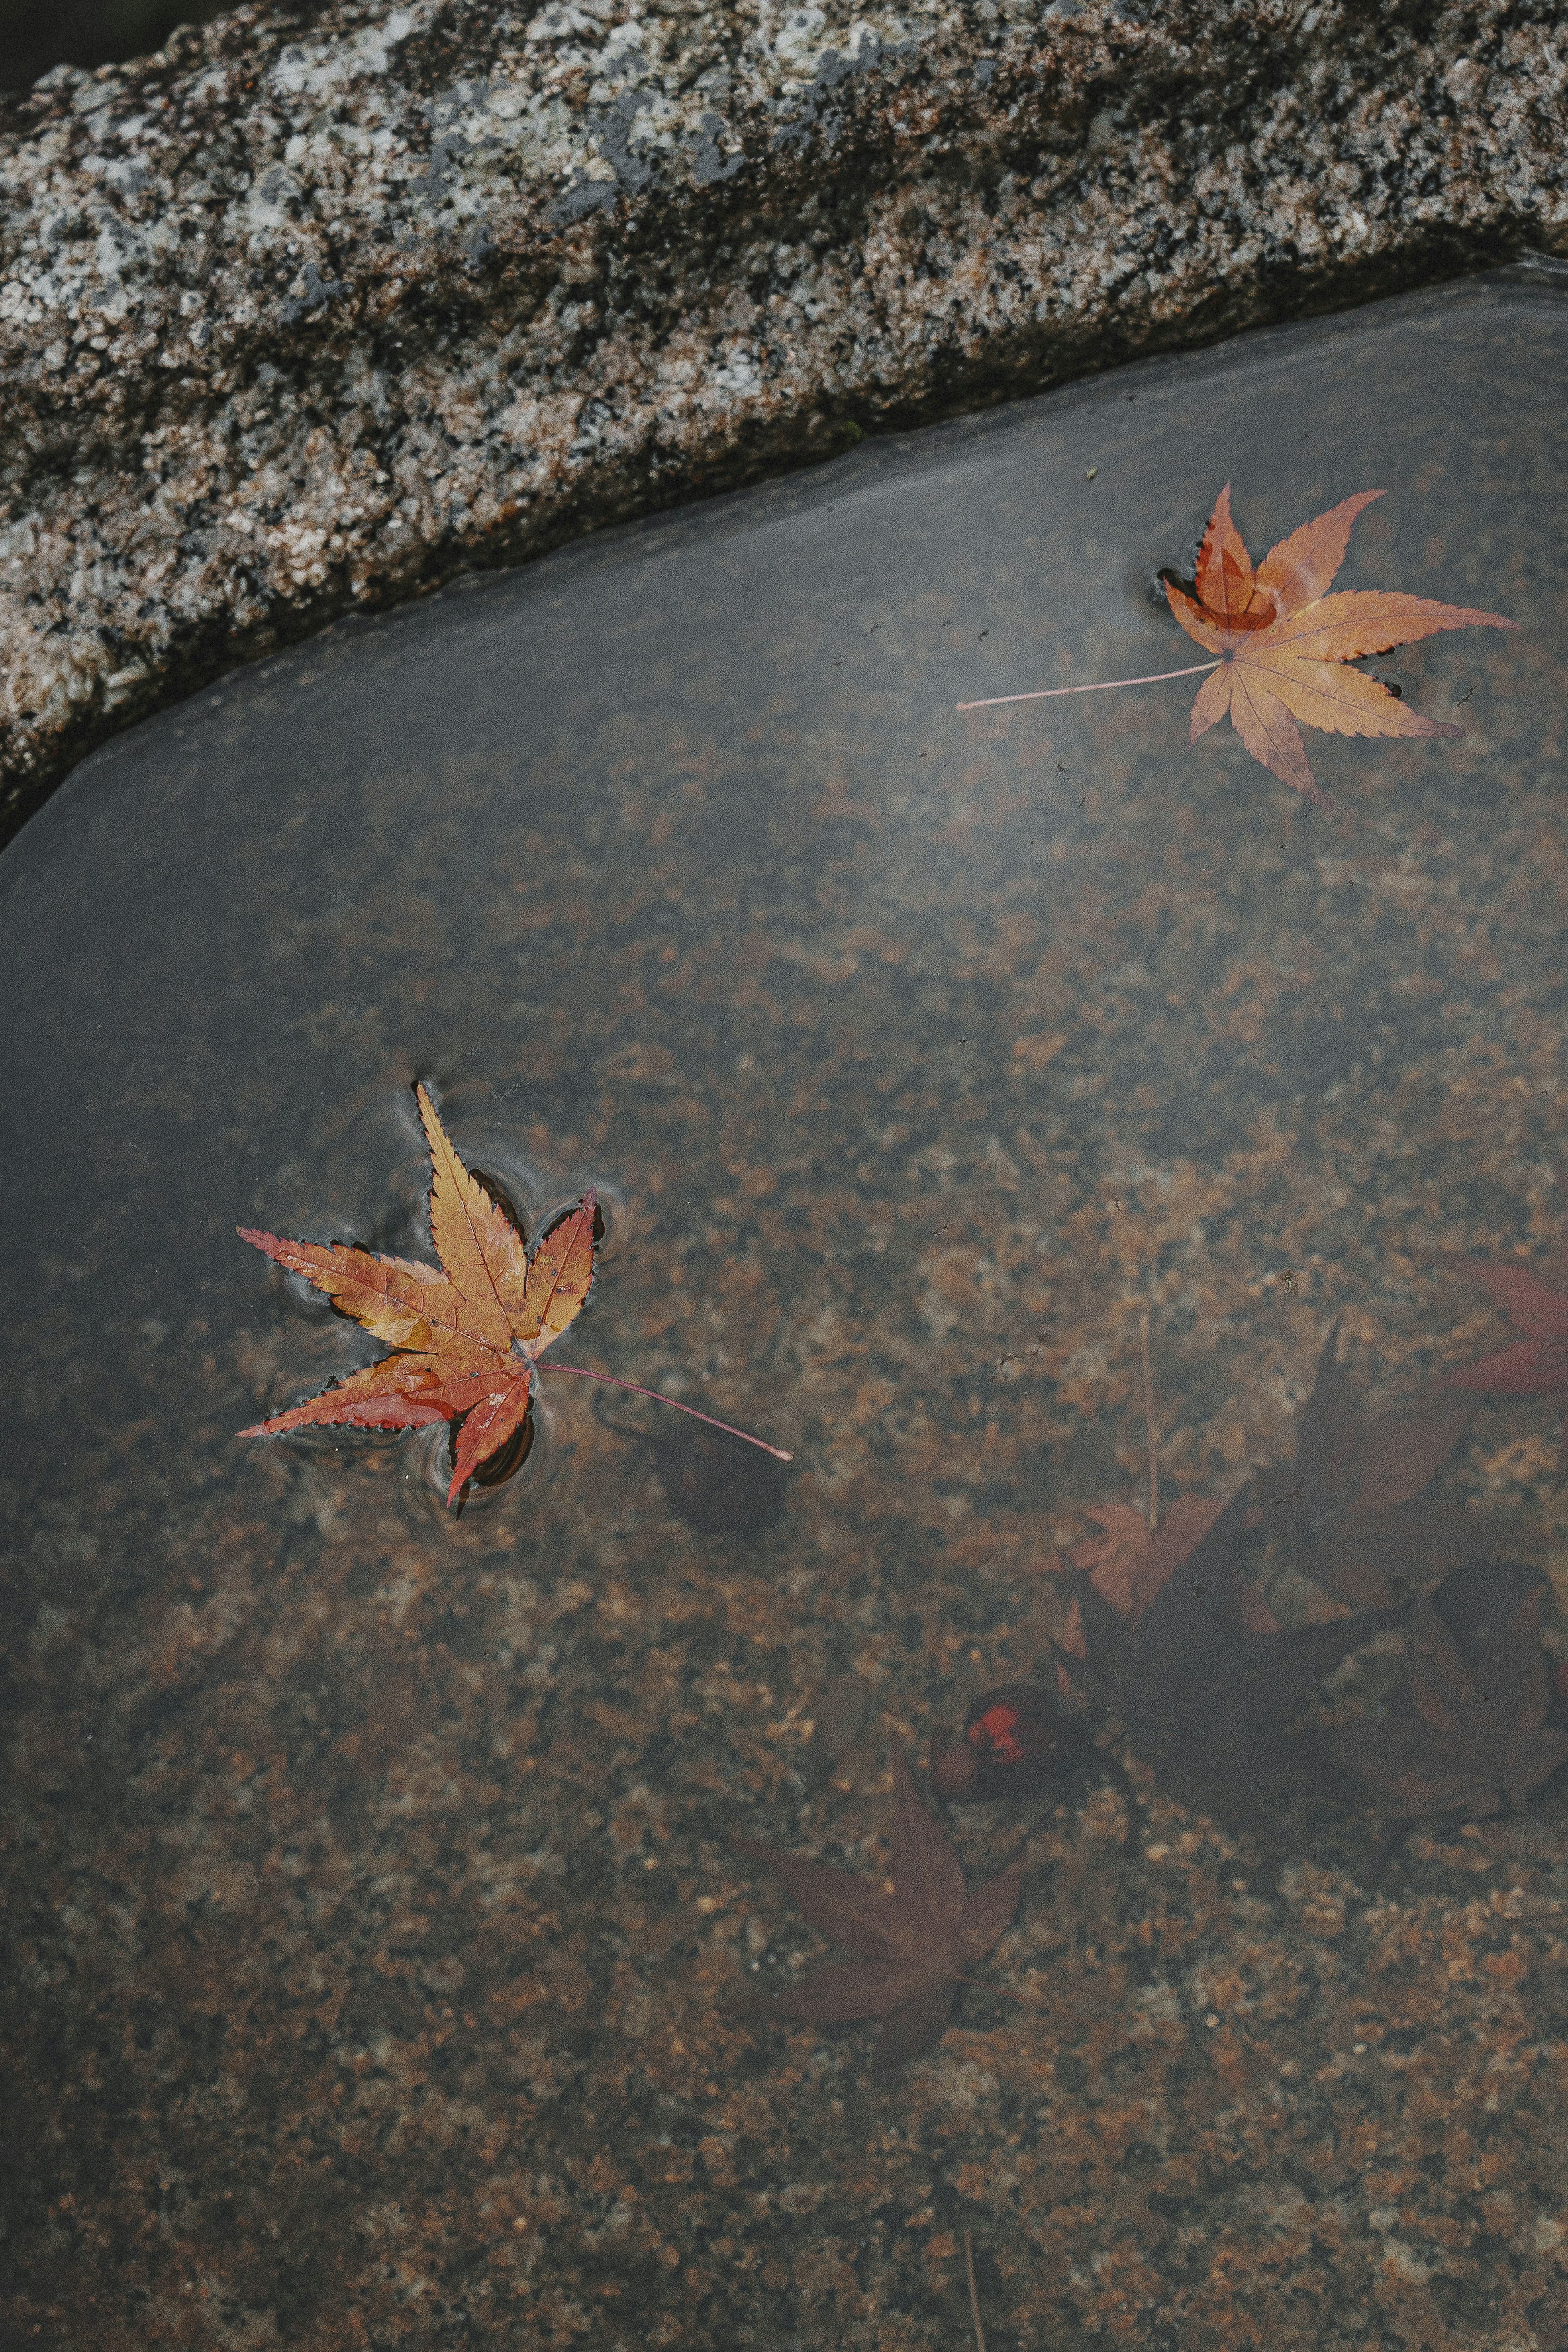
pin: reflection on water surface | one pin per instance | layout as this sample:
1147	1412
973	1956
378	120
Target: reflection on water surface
379	1923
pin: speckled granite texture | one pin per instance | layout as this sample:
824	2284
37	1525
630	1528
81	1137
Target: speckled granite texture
297	317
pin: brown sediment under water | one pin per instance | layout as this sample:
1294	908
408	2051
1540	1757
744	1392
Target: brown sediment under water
375	1931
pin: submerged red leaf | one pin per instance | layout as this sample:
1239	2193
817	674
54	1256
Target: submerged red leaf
1208	1683
1536	1362
1466	1730
912	1947
1131	1563
1352	1509
1017	1738
1171	1632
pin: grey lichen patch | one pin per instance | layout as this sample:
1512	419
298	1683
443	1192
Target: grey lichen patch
296	319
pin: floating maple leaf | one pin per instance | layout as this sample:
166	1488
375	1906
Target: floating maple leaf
1466	1730
912	1947
1536	1363
468	1337
1283	643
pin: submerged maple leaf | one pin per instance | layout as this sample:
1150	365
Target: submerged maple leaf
912	1947
1131	1562
1206	1681
468	1337
1536	1363
1352	1507
1284	642
1169	1632
1139	1551
1467	1730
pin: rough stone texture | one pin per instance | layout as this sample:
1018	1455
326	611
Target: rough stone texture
301	316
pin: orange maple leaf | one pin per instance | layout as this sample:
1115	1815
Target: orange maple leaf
467	1337
1284	642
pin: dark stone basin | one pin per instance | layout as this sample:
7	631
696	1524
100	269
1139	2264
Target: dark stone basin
373	1916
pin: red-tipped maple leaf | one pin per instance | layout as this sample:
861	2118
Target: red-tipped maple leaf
1284	642
912	1947
1536	1363
466	1338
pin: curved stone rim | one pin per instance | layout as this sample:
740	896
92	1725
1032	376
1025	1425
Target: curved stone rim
303	321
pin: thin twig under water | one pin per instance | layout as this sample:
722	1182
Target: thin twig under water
1149	1424
974	2297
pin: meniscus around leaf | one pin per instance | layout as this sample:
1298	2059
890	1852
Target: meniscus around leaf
1280	643
468	1336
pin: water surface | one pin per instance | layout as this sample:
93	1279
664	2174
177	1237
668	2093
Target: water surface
374	1918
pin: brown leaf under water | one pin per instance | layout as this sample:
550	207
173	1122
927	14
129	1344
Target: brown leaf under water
1535	1363
1285	643
1177	1640
1349	1505
1131	1562
1210	1686
1466	1730
911	1948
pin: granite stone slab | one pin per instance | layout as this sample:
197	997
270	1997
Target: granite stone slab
305	314
376	1937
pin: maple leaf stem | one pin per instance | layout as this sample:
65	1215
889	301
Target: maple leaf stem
1103	685
631	1387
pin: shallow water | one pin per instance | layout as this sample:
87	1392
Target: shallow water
377	1926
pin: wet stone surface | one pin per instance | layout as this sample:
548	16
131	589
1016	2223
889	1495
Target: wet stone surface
376	1926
